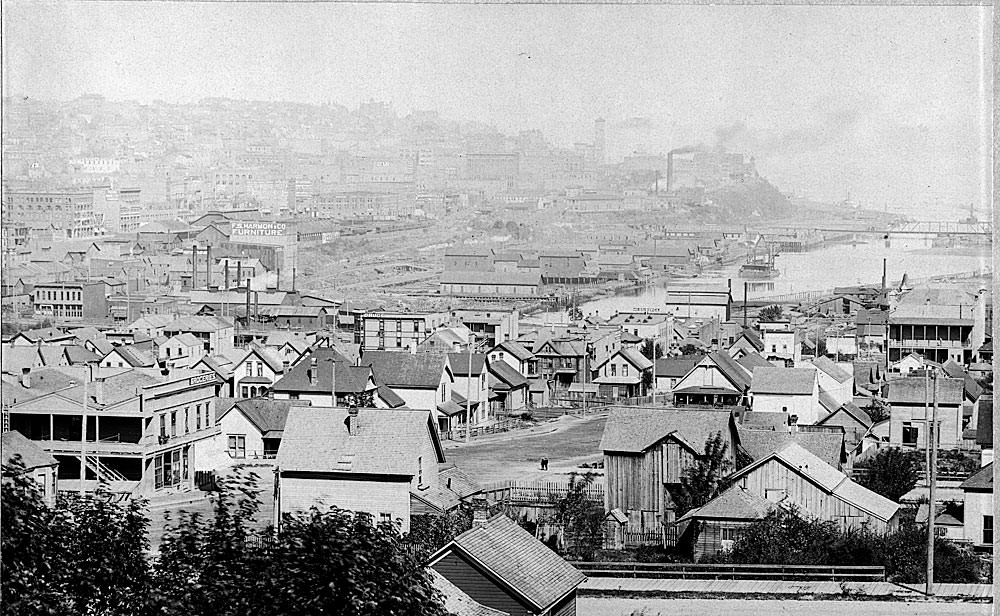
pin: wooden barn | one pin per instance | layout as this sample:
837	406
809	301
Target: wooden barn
645	452
794	476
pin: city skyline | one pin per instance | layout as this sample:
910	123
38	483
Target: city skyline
853	102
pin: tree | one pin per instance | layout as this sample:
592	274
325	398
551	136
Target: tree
702	481
877	410
690	349
86	555
581	517
770	313
892	472
648	349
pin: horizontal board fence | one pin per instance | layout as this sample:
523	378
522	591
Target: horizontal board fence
537	492
732	572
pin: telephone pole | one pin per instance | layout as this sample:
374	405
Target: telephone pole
931	476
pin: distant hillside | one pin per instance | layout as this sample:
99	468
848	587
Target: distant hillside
751	200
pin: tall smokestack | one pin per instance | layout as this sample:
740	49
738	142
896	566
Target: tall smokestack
293	279
746	285
225	276
883	274
248	302
208	267
670	170
194	267
239	272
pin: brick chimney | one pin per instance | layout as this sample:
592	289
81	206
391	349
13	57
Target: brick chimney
26	377
352	421
285	365
311	372
480	515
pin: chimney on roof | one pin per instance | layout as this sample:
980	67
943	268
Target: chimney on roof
208	267
480	515
99	391
194	267
352	421
26	377
285	365
311	372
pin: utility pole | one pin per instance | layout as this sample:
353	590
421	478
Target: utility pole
468	391
83	432
931	476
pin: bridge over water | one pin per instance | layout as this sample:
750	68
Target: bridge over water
917	227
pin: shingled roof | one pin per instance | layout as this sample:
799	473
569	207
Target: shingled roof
517	560
400	369
507	374
350	379
266	414
826	445
385	441
796	381
635	429
831	369
456	601
911	390
674	367
981	481
31	455
735	503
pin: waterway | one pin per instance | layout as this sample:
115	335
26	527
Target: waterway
832	265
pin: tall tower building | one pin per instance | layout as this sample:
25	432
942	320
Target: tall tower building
599	140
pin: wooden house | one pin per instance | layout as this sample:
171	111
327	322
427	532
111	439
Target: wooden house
794	476
20	455
502	566
621	374
748	341
910	399
252	429
717	380
717	524
787	390
645	452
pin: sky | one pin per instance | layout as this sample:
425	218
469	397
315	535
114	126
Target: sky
890	103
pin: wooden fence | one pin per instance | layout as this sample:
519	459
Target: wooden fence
732	572
504	425
537	492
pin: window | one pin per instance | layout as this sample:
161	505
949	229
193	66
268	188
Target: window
249	368
729	534
442	393
173	423
910	433
614	370
988	529
774	348
384	518
163	425
197	417
774	494
186	420
245	391
260	368
420	471
625	370
237	446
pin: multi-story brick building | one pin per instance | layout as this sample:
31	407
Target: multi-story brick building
74	300
69	211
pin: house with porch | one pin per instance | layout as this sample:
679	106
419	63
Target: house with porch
509	389
473	383
716	380
670	370
325	377
255	373
422	380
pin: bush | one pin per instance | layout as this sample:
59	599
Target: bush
892	472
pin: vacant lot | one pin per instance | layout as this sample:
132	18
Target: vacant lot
566	442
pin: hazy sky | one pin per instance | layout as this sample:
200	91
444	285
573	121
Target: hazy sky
886	102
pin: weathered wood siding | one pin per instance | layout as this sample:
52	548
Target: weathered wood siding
811	499
477	585
635	482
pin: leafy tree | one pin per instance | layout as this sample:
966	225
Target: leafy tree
877	410
647	349
770	313
690	349
85	555
892	472
364	399
581	518
702	481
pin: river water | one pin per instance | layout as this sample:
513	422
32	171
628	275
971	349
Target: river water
833	265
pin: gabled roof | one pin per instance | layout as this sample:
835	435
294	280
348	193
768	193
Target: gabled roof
506	373
266	414
827	478
133	357
16	357
458	481
401	369
791	381
350	379
43	334
851	409
752	361
76	354
460	363
734	372
751	337
516	349
831	369
636	429
385	441
674	366
198	324
735	503
518	561
32	456
827	445
636	358
265	355
389	397
981	481
186	339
